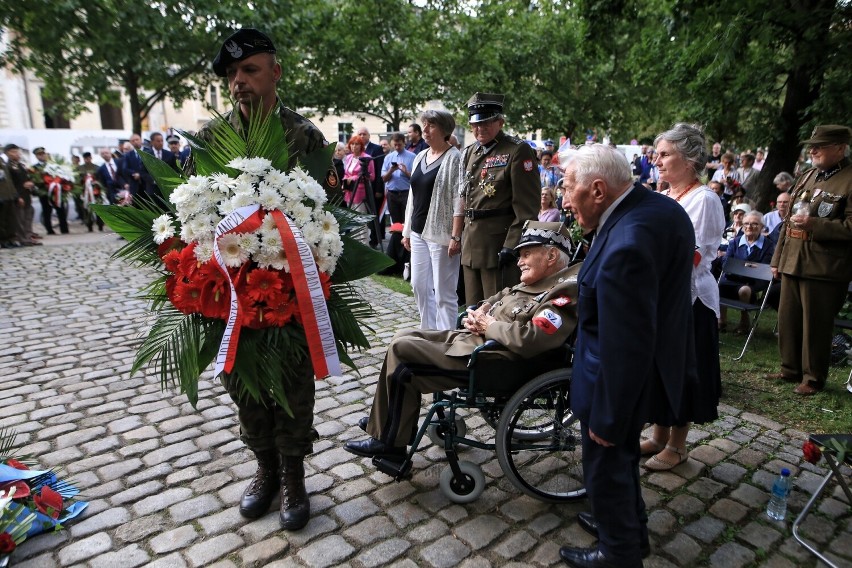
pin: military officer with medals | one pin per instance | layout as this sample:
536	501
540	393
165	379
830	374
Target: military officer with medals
279	441
814	255
501	190
529	319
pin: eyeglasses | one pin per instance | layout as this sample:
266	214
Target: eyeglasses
815	147
752	224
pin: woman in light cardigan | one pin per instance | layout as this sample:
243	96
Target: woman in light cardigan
434	220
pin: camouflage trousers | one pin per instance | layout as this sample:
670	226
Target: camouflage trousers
266	426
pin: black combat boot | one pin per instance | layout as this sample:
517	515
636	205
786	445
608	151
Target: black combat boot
295	505
262	489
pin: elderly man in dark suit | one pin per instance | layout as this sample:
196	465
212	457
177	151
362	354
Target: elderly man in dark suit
131	166
109	176
158	151
634	344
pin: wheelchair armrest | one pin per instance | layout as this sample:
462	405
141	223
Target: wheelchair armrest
489	345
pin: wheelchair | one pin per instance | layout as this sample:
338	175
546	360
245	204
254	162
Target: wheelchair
537	436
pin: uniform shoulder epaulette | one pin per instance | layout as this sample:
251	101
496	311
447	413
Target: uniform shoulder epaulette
514	139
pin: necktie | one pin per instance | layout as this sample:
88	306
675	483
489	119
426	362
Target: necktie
159	155
111	170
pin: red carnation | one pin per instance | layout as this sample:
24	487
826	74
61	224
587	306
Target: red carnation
16	464
188	262
49	502
7	543
168	245
811	452
172	261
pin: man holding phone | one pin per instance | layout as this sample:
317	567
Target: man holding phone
396	173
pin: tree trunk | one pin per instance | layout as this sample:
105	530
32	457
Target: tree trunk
131	83
804	82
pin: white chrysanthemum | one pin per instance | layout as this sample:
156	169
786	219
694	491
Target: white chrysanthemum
333	244
226	208
221	183
269	199
187	233
330	226
163	228
204	250
243	187
312	233
270	241
290	191
181	194
197	184
275	260
237	163
249	242
268	224
326	264
243	200
256	166
233	255
301	214
276	177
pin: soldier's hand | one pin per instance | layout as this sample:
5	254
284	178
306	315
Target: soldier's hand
506	257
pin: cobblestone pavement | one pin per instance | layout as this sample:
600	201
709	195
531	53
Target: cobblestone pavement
163	479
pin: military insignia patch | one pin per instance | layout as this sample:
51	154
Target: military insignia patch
561	301
528	165
549	321
331	179
825	208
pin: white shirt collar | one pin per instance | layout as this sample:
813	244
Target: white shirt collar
612	207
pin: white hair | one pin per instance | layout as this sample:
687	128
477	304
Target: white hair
598	161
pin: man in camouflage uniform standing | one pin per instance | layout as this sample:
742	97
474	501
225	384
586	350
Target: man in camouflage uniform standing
279	441
501	191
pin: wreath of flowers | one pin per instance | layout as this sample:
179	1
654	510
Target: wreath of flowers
213	276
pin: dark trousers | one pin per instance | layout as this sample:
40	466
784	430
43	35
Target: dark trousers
62	215
397	200
46	213
265	426
612	485
806	313
481	283
8	221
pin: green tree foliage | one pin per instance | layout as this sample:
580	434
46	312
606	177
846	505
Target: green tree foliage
87	50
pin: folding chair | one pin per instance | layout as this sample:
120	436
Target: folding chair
753	271
846	324
834	472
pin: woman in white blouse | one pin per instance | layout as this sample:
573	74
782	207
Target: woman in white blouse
434	220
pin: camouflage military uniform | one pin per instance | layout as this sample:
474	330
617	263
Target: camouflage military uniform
264	425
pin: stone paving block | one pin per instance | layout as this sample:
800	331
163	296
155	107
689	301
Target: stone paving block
318	525
262	552
444	553
705	488
683	549
326	552
666	480
750	496
85	549
661	522
405	514
728	510
352	511
120	469
173	560
169	453
731	555
162	501
481	531
383	553
37	562
175	539
127	557
106	520
429	531
759	536
223	521
194	508
516	545
728	473
212	549
706	529
210	482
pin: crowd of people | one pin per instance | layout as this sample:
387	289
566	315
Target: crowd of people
583	244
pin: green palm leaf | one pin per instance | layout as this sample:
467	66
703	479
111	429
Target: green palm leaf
267	139
129	222
167	179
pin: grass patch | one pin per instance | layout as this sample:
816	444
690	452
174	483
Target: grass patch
395	283
744	387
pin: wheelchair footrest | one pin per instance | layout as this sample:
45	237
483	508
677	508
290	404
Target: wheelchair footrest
399	470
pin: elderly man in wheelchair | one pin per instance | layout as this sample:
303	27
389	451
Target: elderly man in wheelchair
530	320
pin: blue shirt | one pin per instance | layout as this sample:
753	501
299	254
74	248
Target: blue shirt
743	242
398	180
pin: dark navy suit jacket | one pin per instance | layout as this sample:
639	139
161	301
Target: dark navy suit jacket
635	346
112	186
131	164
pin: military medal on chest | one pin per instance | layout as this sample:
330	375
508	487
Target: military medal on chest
485	184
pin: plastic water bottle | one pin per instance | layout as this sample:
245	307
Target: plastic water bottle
777	508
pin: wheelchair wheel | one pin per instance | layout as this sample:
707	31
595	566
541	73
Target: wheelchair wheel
437	433
464	490
538	440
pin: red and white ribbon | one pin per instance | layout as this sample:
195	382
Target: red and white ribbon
88	191
54	189
309	295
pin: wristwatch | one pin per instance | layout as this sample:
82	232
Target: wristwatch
454	238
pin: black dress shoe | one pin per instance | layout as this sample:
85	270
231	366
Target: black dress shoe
263	487
295	509
362	423
589	524
592	558
372	448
